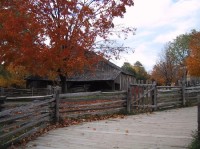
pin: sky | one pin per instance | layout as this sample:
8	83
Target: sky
157	22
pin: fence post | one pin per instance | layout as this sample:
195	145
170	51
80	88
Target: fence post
2	91
128	104
198	121
183	92
2	101
57	98
154	98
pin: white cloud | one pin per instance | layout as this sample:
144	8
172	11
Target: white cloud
157	22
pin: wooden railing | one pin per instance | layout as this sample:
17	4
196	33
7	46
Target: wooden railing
20	122
141	98
149	97
23	116
13	92
192	95
168	96
95	103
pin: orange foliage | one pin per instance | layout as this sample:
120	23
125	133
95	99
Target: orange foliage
157	76
193	61
70	28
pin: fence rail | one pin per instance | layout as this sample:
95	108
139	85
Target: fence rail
20	122
13	92
82	104
27	115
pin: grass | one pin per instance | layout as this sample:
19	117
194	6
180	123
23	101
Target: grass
195	144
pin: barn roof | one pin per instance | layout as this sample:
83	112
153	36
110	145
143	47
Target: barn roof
99	75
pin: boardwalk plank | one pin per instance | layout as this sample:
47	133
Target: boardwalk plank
170	129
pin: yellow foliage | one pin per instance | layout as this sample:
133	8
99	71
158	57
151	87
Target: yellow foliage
15	78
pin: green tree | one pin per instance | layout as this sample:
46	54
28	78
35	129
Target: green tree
128	68
179	50
141	73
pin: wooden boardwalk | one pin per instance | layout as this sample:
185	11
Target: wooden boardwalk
171	129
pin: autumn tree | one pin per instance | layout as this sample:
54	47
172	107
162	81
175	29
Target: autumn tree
165	71
55	36
193	61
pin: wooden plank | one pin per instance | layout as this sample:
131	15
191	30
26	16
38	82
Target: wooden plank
169	100
198	120
145	106
168	95
33	122
141	85
192	91
91	98
110	111
89	109
128	100
193	88
91	105
79	94
173	87
26	107
169	103
114	93
22	136
57	98
9	99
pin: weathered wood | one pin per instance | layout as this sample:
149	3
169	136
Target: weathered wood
114	93
128	103
91	105
91	98
183	92
168	95
141	85
31	98
80	94
19	138
33	122
176	87
193	88
89	109
169	104
145	106
109	111
198	119
26	107
57	98
169	100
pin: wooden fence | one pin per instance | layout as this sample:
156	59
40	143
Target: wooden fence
141	98
168	96
95	103
149	97
27	115
13	92
20	122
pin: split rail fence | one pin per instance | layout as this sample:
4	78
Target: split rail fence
21	117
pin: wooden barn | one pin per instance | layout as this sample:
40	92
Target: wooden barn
37	82
105	77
